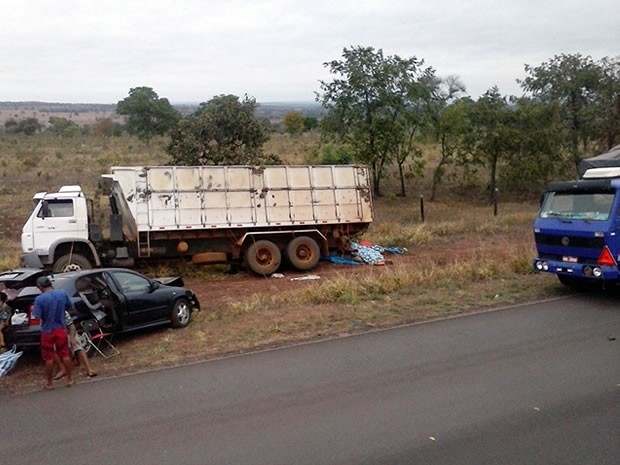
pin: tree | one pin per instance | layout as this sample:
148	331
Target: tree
10	126
147	114
537	156
494	133
63	126
575	83
607	119
27	126
293	122
451	125
446	123
103	127
222	131
310	123
372	105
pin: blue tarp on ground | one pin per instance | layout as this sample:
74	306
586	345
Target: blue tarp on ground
343	261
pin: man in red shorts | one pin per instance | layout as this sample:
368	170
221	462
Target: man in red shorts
50	307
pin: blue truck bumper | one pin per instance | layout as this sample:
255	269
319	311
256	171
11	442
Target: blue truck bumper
576	270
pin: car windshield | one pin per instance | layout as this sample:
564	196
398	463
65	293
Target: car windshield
594	206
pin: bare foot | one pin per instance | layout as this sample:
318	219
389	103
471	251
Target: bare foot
70	383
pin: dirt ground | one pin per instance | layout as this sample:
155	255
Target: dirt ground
167	347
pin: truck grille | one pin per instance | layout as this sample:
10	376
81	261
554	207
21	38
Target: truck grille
575	242
585	249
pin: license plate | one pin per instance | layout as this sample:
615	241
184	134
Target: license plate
570	259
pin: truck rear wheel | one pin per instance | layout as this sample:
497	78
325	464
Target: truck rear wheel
263	257
71	262
303	253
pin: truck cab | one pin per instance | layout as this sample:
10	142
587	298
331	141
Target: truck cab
577	229
58	227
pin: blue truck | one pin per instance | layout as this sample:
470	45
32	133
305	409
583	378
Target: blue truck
577	230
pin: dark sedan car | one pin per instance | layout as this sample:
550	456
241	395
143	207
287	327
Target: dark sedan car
120	300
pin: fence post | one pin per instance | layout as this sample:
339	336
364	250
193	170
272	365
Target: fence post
422	208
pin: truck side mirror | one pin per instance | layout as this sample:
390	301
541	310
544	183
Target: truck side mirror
45	209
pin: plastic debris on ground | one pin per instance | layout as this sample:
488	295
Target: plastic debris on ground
306	278
8	360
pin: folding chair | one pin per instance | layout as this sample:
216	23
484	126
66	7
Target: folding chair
99	340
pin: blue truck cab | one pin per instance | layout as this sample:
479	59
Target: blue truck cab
577	230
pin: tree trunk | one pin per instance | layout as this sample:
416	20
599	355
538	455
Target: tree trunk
401	174
437	175
438	171
376	178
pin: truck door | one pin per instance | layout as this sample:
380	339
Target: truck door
56	220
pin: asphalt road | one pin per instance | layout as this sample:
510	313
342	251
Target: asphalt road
537	384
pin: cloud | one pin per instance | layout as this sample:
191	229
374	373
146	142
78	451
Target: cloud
188	51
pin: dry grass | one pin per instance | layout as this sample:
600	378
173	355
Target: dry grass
460	259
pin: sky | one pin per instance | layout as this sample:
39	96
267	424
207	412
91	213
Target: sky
77	51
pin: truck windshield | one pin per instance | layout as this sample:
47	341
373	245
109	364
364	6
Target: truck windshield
577	205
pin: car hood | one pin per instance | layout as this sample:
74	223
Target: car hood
172	281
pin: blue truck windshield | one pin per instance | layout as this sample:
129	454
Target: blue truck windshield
577	205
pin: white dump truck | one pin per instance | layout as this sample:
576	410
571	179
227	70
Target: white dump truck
207	214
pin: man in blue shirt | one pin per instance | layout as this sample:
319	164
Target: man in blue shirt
50	308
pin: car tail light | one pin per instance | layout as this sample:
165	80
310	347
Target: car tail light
32	320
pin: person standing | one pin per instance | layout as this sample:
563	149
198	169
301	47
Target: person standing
77	350
50	308
5	318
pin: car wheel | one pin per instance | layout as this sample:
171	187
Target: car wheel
181	313
71	262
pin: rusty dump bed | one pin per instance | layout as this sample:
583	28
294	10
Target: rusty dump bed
172	198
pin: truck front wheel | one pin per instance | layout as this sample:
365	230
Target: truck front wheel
303	253
71	262
577	284
263	257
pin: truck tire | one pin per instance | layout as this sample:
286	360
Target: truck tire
303	253
71	262
579	285
263	257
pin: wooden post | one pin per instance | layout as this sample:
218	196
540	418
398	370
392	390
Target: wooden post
422	208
